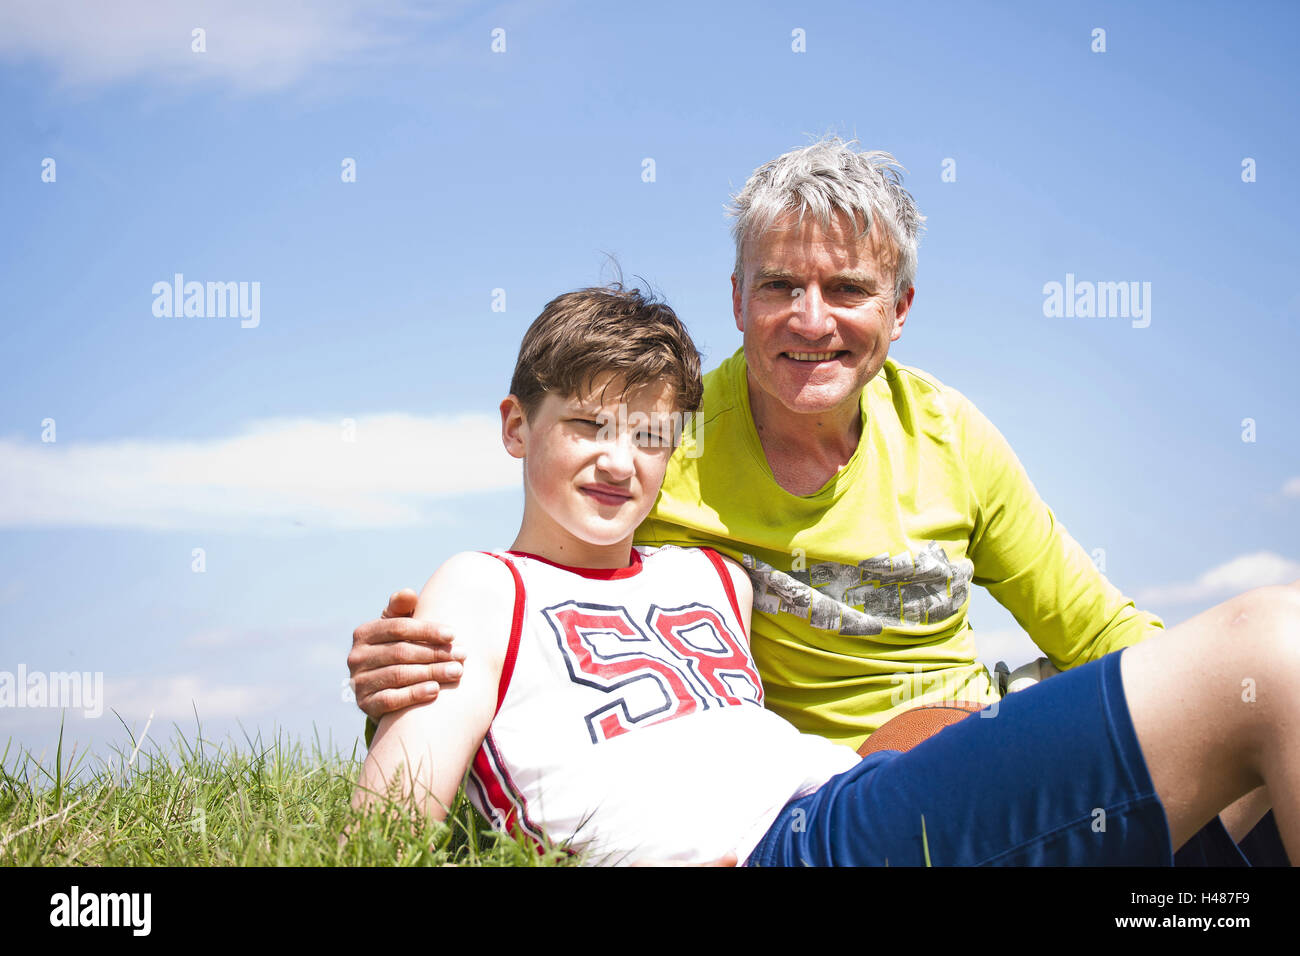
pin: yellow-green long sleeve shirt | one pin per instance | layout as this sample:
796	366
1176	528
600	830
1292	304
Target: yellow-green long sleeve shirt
861	590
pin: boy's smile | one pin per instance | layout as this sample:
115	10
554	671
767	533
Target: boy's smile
607	494
592	469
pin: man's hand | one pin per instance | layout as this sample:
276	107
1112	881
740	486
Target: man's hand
397	661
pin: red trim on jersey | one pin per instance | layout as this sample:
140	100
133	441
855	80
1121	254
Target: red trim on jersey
600	574
727	583
493	789
504	795
516	632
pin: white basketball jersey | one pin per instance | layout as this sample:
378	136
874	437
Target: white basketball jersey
630	719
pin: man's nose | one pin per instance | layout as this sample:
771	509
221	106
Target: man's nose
810	316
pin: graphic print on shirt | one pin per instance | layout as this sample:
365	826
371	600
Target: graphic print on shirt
867	597
686	659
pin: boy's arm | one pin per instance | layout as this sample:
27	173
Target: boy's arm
430	745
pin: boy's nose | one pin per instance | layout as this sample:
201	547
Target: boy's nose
616	458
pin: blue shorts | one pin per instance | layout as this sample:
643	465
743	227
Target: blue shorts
1055	778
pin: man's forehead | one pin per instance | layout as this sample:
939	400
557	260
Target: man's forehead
788	240
790	268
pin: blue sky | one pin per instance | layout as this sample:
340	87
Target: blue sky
522	170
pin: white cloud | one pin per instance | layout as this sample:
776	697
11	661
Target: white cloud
1240	574
180	696
1292	488
250	44
278	474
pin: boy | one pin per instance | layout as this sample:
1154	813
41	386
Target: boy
583	644
614	705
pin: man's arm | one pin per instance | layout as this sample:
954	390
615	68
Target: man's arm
1030	563
429	747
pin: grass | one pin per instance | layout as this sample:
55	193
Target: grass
267	804
925	844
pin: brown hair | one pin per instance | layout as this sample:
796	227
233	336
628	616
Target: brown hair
584	334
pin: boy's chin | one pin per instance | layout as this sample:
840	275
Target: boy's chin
605	535
607	540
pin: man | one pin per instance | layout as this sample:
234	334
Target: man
863	497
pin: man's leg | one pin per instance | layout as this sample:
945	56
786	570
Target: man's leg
1061	772
1215	705
1263	845
1242	816
1053	775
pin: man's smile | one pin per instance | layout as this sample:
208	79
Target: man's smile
813	356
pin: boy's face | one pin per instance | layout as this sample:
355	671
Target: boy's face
592	468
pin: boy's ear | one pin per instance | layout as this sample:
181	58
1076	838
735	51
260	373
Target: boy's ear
514	427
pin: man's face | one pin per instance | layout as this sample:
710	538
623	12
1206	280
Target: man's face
592	471
818	313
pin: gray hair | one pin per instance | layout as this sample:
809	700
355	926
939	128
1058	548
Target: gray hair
827	177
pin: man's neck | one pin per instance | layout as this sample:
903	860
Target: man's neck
805	451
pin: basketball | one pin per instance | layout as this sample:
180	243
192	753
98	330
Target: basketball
912	726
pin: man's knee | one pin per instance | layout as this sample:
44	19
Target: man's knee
1270	616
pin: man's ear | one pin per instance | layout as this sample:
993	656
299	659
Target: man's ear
514	427
735	303
901	308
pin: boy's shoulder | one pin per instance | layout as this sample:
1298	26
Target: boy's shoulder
675	553
476	570
685	552
725	565
474	593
